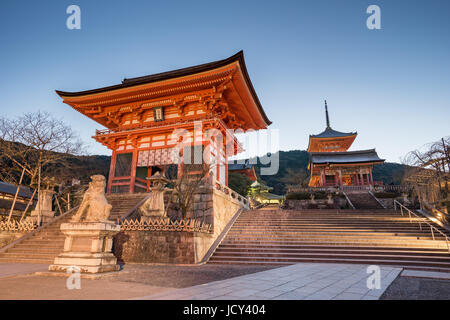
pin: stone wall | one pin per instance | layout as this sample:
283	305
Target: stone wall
213	204
158	246
389	202
6	237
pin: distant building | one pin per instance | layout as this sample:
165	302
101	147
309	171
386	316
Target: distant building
244	168
260	192
7	192
330	164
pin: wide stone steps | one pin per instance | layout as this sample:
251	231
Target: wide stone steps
365	255
333	259
331	249
331	228
363	200
343	233
26	260
333	242
30	255
366	237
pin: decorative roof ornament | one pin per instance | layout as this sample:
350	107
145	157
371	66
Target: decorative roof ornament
326	115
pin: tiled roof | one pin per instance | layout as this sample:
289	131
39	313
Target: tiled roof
240	166
8	188
360	156
330	133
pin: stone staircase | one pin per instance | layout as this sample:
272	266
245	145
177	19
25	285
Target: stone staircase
47	242
348	236
124	203
363	200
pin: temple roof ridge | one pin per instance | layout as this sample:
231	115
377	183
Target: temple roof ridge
330	132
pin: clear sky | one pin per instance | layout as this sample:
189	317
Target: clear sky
391	85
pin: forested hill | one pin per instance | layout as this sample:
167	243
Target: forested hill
292	161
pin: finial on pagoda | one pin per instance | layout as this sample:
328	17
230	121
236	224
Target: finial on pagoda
326	114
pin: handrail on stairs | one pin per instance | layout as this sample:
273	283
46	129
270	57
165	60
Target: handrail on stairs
377	200
348	200
420	220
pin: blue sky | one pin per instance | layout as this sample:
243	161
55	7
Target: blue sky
391	85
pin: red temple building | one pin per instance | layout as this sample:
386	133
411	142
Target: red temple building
245	168
331	164
141	116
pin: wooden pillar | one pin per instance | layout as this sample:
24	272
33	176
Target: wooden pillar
226	170
133	170
112	169
357	179
371	177
340	178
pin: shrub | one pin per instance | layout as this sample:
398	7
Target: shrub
298	196
306	195
385	195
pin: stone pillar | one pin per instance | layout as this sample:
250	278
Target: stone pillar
45	204
88	246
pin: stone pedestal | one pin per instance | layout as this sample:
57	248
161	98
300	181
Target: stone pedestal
45	203
87	246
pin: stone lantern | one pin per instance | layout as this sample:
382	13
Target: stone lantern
154	206
44	207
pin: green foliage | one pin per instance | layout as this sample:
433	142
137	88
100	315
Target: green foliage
319	195
298	196
389	173
239	182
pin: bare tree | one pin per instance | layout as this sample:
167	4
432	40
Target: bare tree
193	176
31	145
428	171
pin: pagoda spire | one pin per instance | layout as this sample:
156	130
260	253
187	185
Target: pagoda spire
326	115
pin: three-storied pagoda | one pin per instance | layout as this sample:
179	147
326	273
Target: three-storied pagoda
141	115
330	164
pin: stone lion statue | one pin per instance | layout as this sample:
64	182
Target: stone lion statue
94	207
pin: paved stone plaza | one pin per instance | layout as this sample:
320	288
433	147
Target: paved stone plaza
306	281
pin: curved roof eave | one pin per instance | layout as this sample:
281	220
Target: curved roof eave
179	73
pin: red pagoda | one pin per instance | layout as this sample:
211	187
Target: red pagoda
331	164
